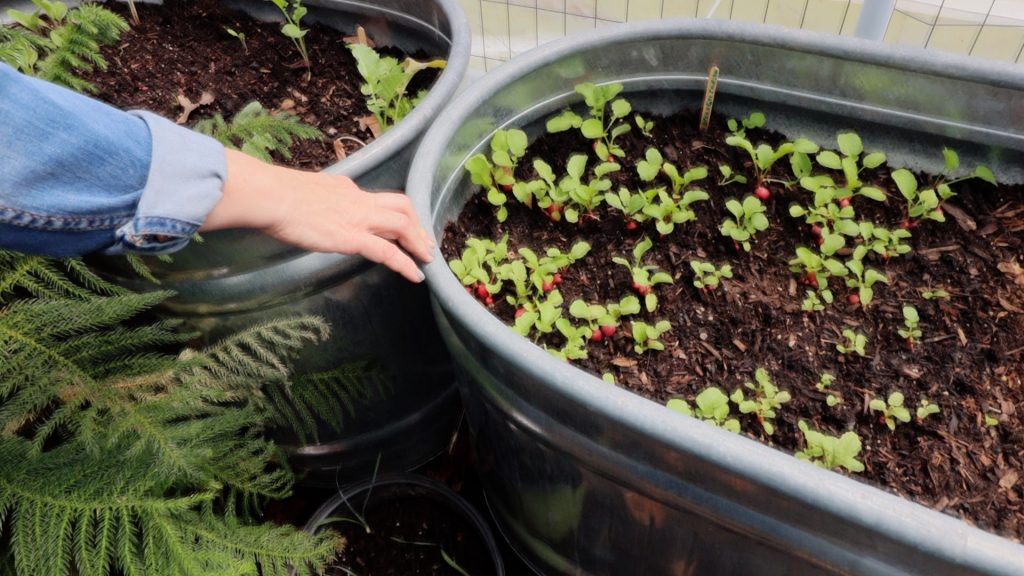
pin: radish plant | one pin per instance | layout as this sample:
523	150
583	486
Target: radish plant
711	406
766	399
739	128
728	176
817	270
293	13
853	343
654	164
477	267
926	408
575	347
585	196
497	174
543	190
669	210
851	164
645	126
647	336
644	276
632	204
863	279
707	276
926	203
823	384
601	127
910	331
545	271
884	242
831	452
892	409
603	321
765	156
748	219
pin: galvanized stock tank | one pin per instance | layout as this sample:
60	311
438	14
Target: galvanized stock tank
379	321
587	478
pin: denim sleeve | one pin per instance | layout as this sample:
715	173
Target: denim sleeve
79	176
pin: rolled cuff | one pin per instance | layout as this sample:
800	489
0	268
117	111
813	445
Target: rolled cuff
186	179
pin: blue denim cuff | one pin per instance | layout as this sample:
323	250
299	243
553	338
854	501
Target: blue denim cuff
186	178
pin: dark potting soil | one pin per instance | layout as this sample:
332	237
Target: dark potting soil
182	47
407	537
968	361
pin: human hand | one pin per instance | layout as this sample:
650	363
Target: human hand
322	213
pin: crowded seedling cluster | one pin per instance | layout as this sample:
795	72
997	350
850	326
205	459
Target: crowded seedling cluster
853	215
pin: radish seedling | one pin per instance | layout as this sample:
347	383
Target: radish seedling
754	120
477	267
669	211
707	276
926	203
603	321
654	164
600	127
892	409
852	165
887	243
926	408
576	337
824	382
910	332
766	400
644	125
644	276
632	204
540	314
764	156
932	294
863	279
712	406
585	195
728	176
748	219
543	269
496	174
853	343
831	452
817	269
646	336
294	31
812	302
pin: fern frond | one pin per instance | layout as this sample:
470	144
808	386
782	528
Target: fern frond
257	132
330	397
258	353
50	277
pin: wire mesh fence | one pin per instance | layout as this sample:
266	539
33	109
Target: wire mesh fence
983	28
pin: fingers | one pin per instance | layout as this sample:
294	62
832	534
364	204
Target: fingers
383	252
400	203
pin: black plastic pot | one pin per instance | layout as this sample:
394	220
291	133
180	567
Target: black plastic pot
364	496
239	278
588	478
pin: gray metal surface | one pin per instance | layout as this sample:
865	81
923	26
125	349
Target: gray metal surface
239	278
587	478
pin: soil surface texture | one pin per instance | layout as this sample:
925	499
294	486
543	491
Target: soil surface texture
182	48
967	460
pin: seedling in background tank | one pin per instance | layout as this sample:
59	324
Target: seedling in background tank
293	13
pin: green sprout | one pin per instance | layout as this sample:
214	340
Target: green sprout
293	30
707	276
934	294
925	203
831	452
385	81
892	409
585	195
240	36
728	176
910	331
853	342
863	279
644	125
926	408
497	174
646	336
748	219
767	398
851	164
823	384
600	127
754	120
712	406
644	276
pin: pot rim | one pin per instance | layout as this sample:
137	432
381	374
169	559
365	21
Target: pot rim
442	493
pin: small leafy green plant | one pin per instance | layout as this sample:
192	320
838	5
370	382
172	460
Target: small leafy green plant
853	343
386	81
862	279
238	35
603	321
926	408
766	399
707	276
585	196
826	380
645	276
748	219
892	409
831	452
910	331
925	203
293	12
601	127
712	406
495	175
647	336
